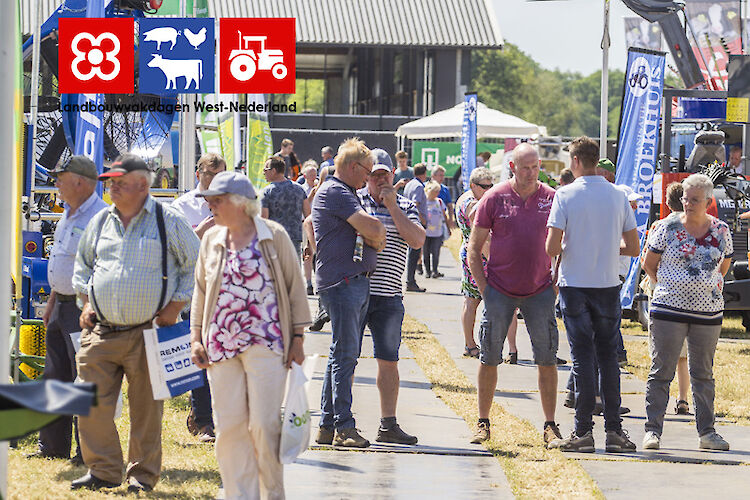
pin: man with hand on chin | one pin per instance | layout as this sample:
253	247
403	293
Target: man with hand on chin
385	311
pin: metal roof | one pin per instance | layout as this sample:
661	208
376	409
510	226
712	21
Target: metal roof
422	23
425	23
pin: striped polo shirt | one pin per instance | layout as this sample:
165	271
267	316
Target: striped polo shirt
387	280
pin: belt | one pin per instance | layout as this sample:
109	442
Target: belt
120	328
65	298
365	274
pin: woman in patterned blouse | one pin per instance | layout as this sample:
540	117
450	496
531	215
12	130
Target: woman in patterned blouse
248	313
687	257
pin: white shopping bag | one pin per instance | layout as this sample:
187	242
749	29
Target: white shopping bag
295	428
168	356
75	337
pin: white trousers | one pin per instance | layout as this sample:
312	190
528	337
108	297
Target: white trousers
247	393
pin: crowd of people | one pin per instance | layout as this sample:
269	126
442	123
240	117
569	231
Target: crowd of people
239	263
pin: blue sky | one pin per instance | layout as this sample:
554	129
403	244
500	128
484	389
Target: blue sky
564	34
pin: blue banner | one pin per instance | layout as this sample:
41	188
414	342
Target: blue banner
638	143
469	139
89	136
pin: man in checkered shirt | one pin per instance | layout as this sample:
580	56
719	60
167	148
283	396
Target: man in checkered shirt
118	279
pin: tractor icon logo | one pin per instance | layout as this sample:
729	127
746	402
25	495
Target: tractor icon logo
244	61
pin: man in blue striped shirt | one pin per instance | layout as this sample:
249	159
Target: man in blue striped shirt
118	278
385	310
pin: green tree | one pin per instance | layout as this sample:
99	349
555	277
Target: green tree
566	103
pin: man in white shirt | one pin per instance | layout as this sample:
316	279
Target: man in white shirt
588	220
195	209
76	181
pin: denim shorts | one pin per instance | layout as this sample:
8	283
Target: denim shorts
384	318
538	313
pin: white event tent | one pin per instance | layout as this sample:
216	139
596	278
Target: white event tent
491	123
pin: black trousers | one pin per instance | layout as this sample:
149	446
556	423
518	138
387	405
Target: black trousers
60	364
411	264
431	248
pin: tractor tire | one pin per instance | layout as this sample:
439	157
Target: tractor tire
279	71
242	67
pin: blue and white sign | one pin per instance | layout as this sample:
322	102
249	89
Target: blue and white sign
469	139
89	131
638	142
176	56
168	356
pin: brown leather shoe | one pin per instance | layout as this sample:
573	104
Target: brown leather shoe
482	433
350	438
325	436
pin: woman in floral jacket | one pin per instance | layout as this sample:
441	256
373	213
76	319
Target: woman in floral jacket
248	313
687	257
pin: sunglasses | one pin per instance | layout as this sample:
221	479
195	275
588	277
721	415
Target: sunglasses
485	186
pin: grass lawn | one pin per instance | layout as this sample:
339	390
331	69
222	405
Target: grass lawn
189	468
731	368
532	470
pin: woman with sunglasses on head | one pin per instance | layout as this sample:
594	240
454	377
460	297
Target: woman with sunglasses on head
480	182
688	254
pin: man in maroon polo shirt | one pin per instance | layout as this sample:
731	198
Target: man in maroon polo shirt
514	215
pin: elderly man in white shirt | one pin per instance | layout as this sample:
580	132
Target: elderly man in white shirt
195	209
76	181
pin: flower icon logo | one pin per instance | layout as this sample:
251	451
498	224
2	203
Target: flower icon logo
95	56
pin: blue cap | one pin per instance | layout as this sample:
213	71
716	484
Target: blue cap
230	183
381	158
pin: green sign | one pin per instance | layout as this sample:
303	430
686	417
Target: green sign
446	154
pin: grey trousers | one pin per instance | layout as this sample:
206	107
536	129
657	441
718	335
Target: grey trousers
666	338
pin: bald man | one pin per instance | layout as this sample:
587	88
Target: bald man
513	215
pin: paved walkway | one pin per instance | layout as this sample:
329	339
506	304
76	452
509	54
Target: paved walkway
679	468
442	465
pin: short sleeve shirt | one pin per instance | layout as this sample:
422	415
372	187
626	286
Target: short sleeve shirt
414	190
387	280
435	217
445	195
335	238
407	174
519	265
284	203
688	277
593	214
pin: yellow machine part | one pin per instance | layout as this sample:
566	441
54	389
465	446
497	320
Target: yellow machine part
31	342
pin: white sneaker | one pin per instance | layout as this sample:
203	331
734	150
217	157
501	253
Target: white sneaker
713	441
651	441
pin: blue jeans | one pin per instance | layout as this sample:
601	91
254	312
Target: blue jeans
592	320
346	304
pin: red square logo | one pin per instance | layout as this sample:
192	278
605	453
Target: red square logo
96	55
257	55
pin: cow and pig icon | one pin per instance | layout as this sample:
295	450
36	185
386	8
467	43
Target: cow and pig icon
244	61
